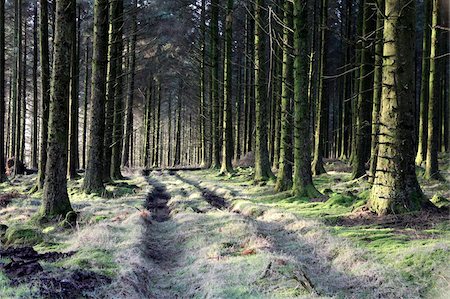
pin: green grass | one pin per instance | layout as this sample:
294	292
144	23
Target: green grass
421	256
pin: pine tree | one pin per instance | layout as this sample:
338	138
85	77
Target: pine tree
263	170
432	163
227	147
2	91
93	181
303	184
396	188
284	178
55	201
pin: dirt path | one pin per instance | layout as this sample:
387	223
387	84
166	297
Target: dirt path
203	246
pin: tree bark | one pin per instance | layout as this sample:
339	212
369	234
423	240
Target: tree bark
93	181
396	188
2	91
263	170
227	147
55	201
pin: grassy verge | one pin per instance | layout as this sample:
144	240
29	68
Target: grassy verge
418	251
107	226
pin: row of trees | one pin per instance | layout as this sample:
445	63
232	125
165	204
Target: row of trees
288	82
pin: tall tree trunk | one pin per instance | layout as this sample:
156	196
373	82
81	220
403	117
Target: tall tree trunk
365	95
17	79
34	133
284	178
303	185
23	102
74	105
130	89
317	164
86	100
177	160
263	170
395	187
148	123
44	59
93	181
432	165
156	161
2	91
117	138
55	201
215	99
227	147
110	88
237	130
377	88
204	159
169	133
424	85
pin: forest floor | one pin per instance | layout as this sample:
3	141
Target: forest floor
194	234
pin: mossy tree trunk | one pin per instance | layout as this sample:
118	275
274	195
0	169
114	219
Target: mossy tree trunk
203	142
86	99
361	152
126	156
377	79
215	99
2	91
321	109
432	163
263	170
34	131
73	106
424	85
117	133
396	188
55	200
16	111
156	161
45	89
227	146
302	180
93	181
177	159
284	178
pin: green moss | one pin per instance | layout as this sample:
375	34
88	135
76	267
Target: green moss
440	201
93	259
9	291
22	236
339	200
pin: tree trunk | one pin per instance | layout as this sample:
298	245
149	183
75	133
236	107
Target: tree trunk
214	41
74	105
377	91
303	185
424	85
93	181
117	136
432	165
2	91
227	147
55	201
317	164
365	95
16	112
45	90
86	97
130	90
263	170
34	133
395	188
284	178
156	161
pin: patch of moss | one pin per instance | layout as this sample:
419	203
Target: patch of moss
339	200
22	236
93	259
440	201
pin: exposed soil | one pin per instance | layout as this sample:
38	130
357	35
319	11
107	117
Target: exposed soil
423	220
6	198
156	203
25	267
